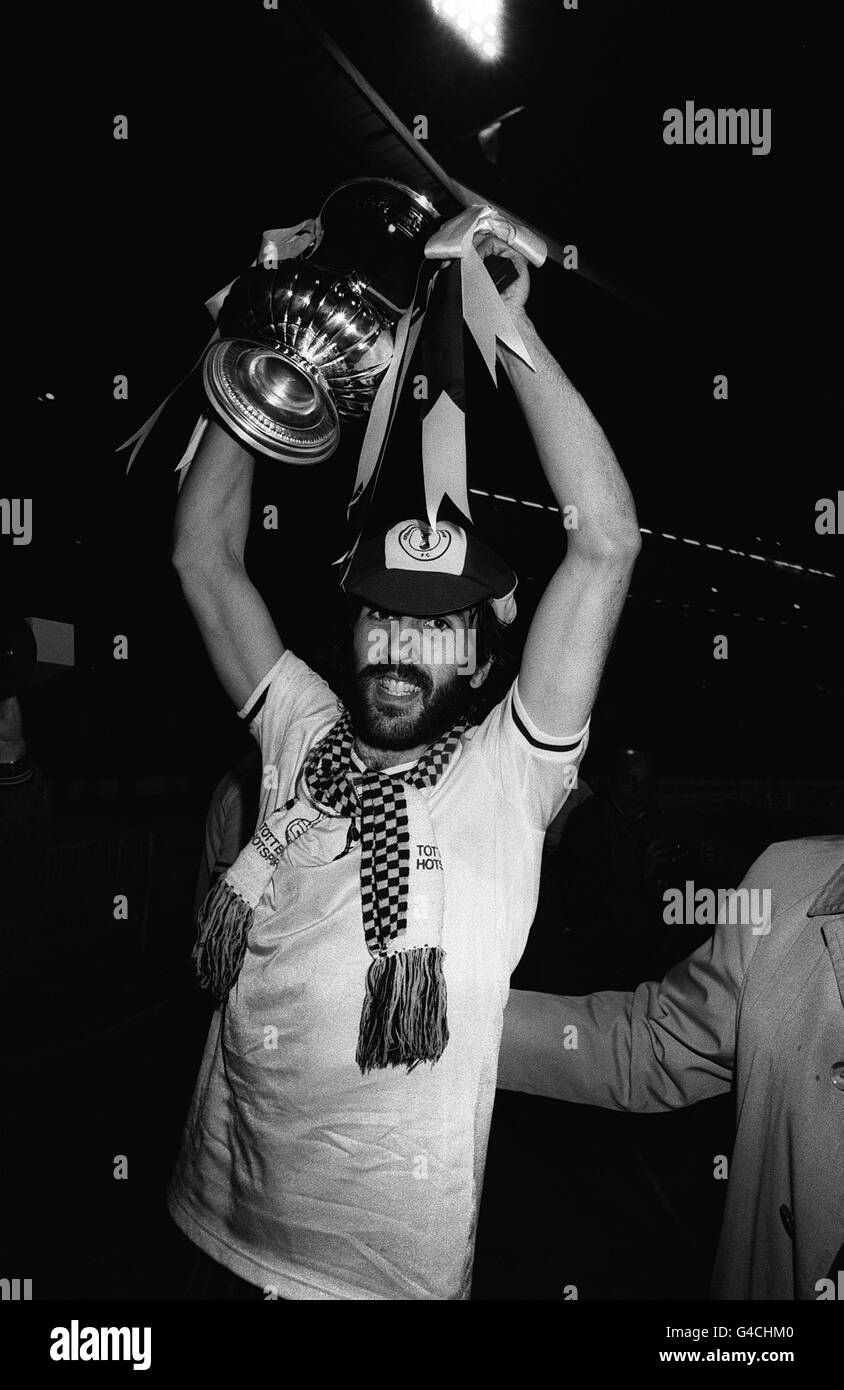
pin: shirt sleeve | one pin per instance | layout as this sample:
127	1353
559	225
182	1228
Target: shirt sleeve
287	711
531	768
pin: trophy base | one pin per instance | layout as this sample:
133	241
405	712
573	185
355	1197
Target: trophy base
273	400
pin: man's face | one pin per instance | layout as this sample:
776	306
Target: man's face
412	678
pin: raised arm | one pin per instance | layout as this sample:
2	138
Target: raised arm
209	540
573	626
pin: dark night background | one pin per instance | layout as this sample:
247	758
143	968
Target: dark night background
722	259
700	261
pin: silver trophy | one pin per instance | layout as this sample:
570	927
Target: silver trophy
307	343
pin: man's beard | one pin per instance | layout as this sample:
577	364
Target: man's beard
435	709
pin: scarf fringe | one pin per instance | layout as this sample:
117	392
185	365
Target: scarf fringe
403	1021
224	920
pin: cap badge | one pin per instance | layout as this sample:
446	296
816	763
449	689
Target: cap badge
422	544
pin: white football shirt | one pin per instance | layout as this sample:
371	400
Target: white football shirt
296	1171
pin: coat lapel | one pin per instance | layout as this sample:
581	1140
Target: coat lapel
830	903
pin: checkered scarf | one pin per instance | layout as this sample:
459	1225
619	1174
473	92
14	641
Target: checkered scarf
403	1021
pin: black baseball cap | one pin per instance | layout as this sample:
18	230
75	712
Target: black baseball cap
422	571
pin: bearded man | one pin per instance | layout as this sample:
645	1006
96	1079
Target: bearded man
360	947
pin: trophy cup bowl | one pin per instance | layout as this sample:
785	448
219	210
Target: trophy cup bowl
307	342
301	348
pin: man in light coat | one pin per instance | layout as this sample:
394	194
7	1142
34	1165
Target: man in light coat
761	1005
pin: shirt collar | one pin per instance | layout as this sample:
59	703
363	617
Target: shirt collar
358	765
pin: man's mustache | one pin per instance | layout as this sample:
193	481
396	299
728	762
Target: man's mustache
405	672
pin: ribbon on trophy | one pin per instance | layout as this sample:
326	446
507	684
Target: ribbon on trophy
277	244
455	288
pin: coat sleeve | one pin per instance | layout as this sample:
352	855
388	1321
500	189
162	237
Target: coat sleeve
660	1047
